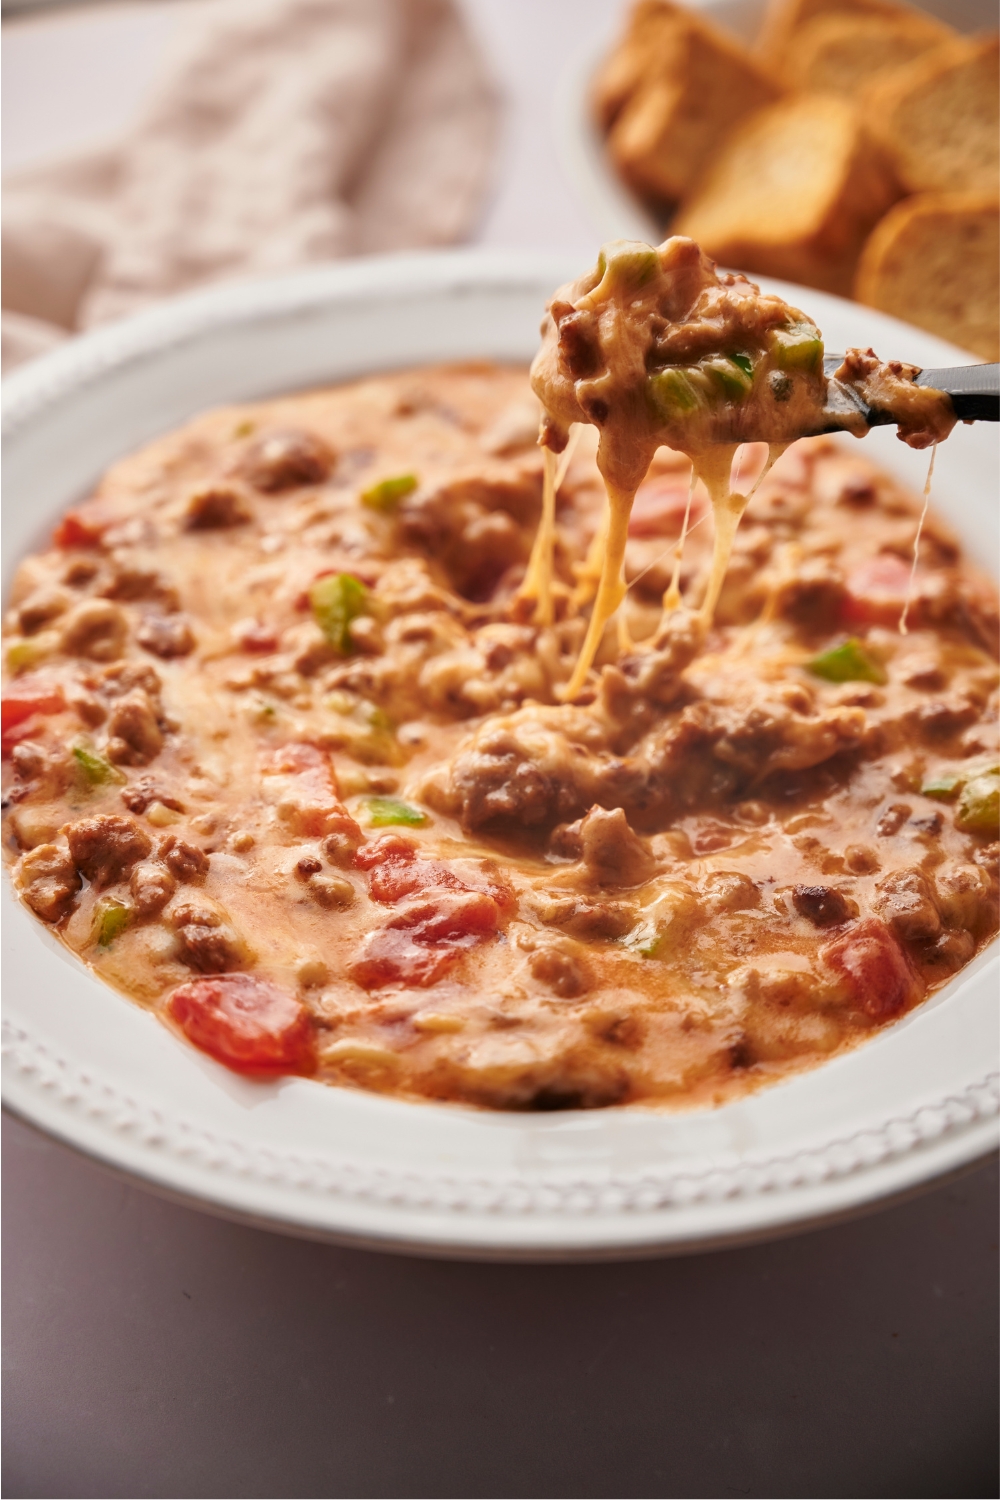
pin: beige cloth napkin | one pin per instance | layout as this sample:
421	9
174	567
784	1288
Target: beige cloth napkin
286	132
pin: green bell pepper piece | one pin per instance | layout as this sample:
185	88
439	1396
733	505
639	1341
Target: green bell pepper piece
96	770
387	494
848	662
673	392
386	811
979	805
337	600
731	374
626	265
799	347
110	918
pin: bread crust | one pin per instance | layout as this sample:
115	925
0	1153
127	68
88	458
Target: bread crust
695	85
938	118
933	260
794	192
842	52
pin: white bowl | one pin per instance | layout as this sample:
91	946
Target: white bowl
84	1064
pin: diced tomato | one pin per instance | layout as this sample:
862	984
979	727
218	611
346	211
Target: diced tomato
29	696
660	504
85	525
247	1023
390	846
876	591
392	955
21	701
425	939
302	780
396	878
258	639
875	970
449	917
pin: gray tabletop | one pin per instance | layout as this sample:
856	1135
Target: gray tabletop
154	1350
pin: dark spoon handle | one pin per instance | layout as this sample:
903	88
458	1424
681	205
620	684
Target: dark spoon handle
974	390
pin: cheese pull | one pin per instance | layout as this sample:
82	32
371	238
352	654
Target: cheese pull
655	347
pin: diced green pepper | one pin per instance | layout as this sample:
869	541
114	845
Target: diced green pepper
626	265
384	811
110	918
799	347
979	806
387	494
645	939
26	653
674	392
732	376
946	785
337	600
95	769
848	662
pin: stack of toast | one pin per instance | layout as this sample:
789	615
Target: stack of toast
855	147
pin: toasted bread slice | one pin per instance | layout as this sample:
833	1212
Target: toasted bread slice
793	192
934	260
938	119
841	52
620	74
699	84
783	18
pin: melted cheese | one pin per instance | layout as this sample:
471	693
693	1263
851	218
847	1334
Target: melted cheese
916	543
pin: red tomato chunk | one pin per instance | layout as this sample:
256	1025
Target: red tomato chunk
83	527
876	591
420	942
249	1024
874	968
660	505
21	702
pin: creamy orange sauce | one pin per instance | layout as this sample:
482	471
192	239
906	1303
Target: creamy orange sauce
714	867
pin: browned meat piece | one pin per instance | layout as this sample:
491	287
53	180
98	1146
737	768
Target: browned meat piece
96	629
556	965
204	943
132	578
183	859
611	852
29	760
104	848
652	676
135	738
138	795
166	636
965	896
152	886
821	905
813	599
42	606
49	881
533	767
893	819
729	890
286	460
212	506
906	903
475	526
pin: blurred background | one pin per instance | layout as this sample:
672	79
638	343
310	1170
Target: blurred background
845	144
152	147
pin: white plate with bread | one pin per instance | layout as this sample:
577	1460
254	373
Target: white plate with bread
846	146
